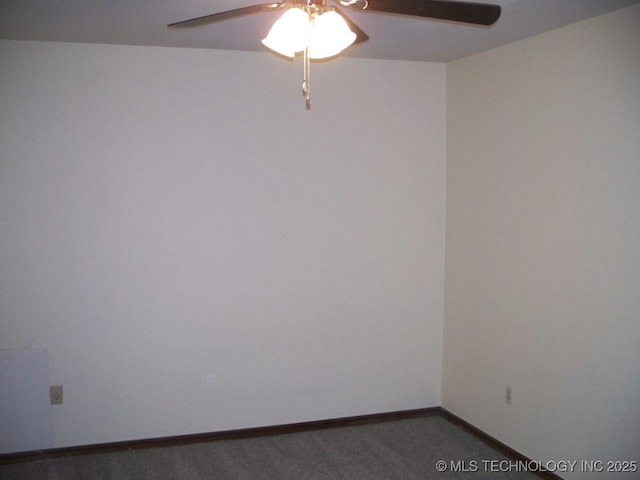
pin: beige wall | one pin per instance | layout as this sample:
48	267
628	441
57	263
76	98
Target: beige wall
543	241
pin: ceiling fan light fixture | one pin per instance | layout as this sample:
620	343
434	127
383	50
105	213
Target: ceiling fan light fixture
329	35
317	31
288	35
325	34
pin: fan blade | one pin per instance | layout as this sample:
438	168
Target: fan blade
360	35
465	12
216	17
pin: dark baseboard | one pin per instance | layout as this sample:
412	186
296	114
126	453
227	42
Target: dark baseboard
506	450
213	436
267	431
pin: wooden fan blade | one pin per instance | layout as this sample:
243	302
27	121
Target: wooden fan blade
361	36
216	17
465	12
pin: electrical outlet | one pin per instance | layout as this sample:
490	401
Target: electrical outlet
55	394
507	395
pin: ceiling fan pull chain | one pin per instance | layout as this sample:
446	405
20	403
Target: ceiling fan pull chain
305	79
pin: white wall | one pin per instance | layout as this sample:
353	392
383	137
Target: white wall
543	241
198	253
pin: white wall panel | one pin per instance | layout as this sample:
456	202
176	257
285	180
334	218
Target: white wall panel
25	412
199	252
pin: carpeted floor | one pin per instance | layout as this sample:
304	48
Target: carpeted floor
402	449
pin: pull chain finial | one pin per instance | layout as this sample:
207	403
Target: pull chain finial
305	79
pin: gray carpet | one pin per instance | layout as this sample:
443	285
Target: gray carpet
403	450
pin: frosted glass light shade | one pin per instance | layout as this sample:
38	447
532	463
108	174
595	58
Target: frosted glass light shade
329	34
326	35
289	34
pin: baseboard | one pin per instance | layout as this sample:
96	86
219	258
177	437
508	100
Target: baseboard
495	444
222	435
271	430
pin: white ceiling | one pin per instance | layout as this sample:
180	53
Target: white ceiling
143	22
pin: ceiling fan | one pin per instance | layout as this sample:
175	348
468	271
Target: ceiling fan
320	31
